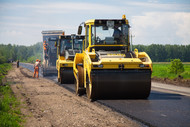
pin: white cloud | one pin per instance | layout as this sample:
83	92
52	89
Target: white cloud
15	18
65	7
32	25
162	27
153	1
26	33
183	23
152	21
12	33
156	5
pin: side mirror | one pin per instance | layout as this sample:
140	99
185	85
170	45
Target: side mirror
79	30
55	43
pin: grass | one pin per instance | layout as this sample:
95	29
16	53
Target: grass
160	70
3	70
10	115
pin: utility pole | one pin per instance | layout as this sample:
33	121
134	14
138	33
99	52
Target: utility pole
131	42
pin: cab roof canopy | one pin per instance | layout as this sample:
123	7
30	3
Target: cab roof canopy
53	32
70	36
104	21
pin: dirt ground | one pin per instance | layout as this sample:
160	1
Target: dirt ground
177	81
46	104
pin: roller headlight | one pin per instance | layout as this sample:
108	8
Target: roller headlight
143	65
64	64
100	66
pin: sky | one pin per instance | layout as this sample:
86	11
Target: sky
151	21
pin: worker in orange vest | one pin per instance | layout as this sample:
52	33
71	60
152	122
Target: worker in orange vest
45	45
36	68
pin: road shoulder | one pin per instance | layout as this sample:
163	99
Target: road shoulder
171	88
44	103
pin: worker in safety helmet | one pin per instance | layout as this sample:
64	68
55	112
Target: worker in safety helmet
37	65
45	46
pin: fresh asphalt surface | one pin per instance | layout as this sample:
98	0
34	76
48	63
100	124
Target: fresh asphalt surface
161	109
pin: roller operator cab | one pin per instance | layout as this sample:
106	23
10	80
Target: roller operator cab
67	47
107	68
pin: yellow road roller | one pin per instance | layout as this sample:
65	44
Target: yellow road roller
67	47
107	68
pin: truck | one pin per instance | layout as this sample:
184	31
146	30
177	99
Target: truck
50	51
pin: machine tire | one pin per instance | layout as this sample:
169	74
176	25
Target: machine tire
66	77
90	90
58	79
79	90
81	76
61	79
79	82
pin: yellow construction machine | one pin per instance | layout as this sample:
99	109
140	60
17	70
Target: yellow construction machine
67	47
107	68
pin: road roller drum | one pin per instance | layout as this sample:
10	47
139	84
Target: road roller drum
121	83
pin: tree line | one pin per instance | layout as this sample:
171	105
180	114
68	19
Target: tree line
10	53
157	52
165	53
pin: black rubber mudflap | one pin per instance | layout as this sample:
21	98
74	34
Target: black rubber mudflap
121	83
67	75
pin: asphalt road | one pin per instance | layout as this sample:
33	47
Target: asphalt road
161	109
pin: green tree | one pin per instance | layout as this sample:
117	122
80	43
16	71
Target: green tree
176	67
2	59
